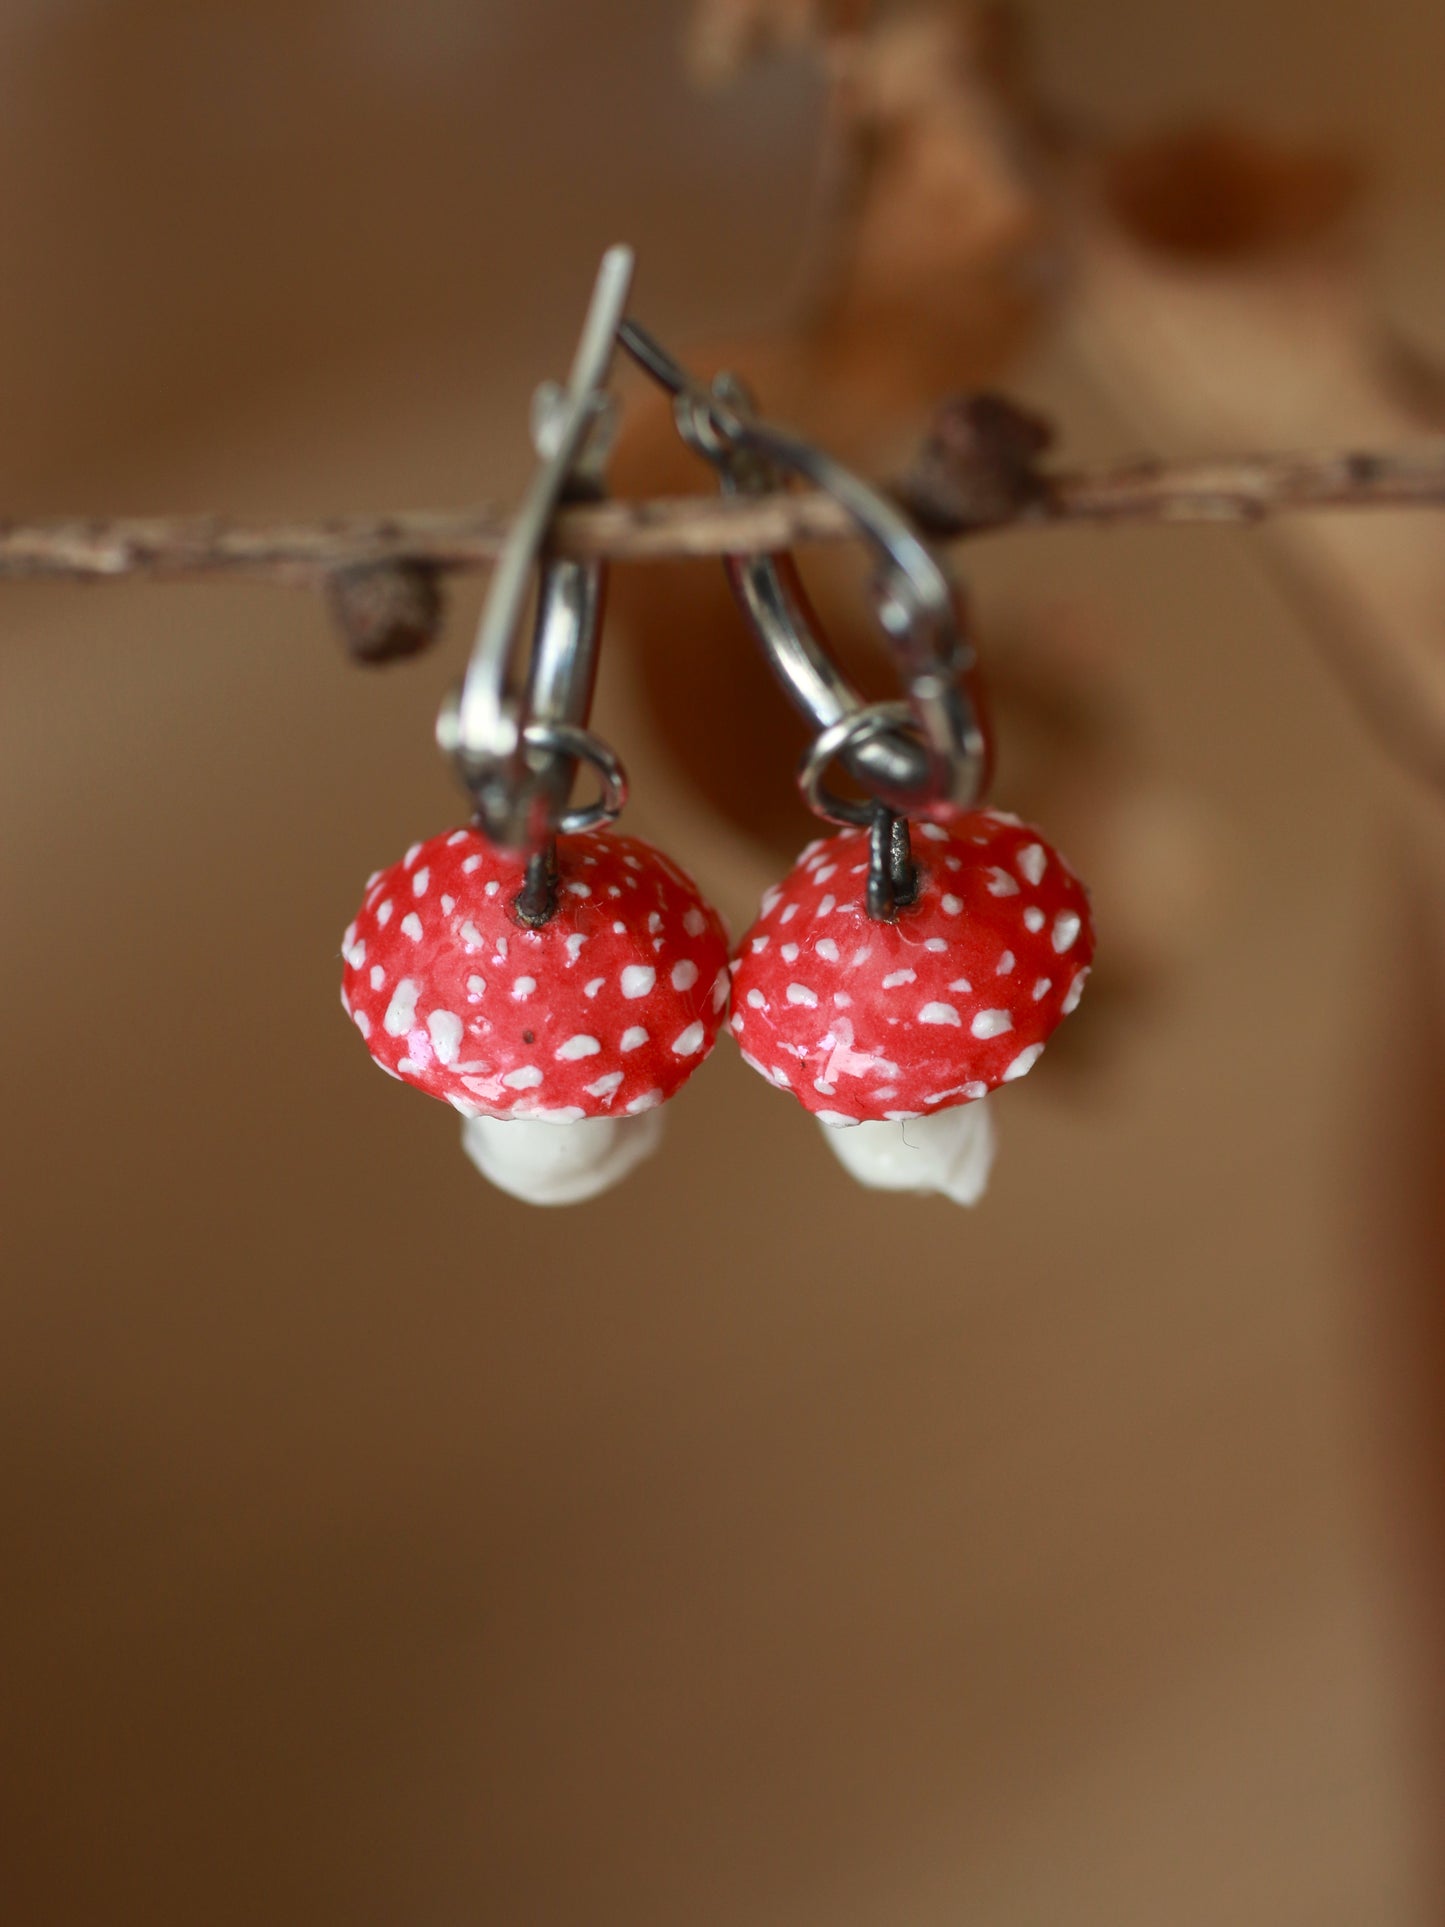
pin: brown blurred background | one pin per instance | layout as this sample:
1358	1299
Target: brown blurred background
742	1547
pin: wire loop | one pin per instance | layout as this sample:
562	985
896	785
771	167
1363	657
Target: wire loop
518	752
924	751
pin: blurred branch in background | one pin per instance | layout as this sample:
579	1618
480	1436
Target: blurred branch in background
976	472
950	498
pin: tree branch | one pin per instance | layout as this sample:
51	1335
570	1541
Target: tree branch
1230	489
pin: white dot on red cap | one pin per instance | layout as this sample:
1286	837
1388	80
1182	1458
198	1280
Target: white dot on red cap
789	912
606	1086
828	904
1065	931
525	1079
648	1101
476	987
579	1046
383	913
362	1022
800	994
934	832
688	1042
951	906
457	836
634	1037
448	904
491	889
827	949
1033	919
791	952
574	946
356	955
1075	992
961	983
1025	1061
842	999
446	1034
411	924
939	1014
401	1011
591	989
619	929
758	944
694	923
1042	987
1001	884
522	987
756	1000
420	881
378	976
471	936
471	865
1005	964
896	977
684	974
1032	862
412	854
991	1023
822	874
637	980
654	922
580	889
935	943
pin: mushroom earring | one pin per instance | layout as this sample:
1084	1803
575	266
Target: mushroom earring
554	982
888	986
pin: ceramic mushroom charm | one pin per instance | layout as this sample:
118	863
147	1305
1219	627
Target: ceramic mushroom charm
893	1033
558	1045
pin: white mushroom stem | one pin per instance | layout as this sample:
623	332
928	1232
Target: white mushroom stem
950	1152
543	1162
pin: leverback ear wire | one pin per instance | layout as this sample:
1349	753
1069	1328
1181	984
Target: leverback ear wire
518	755
906	756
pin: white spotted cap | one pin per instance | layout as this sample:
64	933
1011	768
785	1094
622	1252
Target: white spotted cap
604	1012
866	1021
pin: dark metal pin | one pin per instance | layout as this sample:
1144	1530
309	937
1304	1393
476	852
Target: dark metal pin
893	878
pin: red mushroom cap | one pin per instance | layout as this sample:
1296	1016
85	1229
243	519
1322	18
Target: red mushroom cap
865	1021
604	1012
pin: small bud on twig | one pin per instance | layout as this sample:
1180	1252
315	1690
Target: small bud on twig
386	611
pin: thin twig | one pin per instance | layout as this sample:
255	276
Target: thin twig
1231	489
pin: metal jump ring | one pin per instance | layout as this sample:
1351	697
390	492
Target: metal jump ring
580	745
848	733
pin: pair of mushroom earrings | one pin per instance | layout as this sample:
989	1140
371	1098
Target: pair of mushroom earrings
557	982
